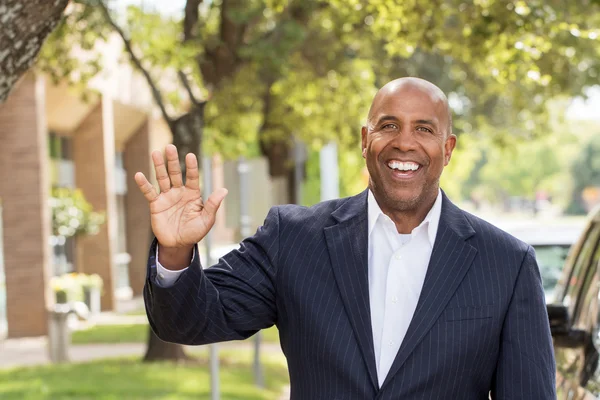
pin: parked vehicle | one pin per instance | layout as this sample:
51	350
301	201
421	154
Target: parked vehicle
552	241
575	318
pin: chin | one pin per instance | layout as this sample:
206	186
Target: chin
403	201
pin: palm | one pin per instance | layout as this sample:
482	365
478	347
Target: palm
179	217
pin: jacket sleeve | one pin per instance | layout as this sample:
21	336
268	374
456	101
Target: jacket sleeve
526	365
231	300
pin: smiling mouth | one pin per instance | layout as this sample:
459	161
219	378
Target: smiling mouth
403	169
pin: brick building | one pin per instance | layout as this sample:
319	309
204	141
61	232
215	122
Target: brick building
50	137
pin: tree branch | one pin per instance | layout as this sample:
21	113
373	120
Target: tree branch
137	62
228	29
190	21
186	84
25	25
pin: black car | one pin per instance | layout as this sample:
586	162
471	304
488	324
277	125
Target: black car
575	318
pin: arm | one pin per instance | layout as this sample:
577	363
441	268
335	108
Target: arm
526	365
230	300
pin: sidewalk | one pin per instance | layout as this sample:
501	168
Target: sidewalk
33	351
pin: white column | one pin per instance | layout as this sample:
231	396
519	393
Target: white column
330	177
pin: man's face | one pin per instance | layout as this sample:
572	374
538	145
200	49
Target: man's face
406	145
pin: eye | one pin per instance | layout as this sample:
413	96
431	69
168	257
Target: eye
424	129
389	126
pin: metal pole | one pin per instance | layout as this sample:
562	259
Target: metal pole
215	391
330	177
299	158
245	231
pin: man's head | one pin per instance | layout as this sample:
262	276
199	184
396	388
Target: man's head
407	143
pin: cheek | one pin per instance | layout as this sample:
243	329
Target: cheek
375	146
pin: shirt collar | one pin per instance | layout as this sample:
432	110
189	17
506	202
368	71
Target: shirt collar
432	219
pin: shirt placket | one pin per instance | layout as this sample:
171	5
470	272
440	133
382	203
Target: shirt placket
389	339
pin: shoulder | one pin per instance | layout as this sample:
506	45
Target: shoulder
292	214
492	238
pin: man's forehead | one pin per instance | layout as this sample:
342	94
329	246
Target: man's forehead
409	95
418	106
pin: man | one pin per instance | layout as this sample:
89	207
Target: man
391	294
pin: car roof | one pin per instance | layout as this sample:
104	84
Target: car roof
546	233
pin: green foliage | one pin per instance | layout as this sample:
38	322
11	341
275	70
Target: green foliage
500	60
309	69
586	172
72	215
121	333
132	380
521	170
69	287
71	51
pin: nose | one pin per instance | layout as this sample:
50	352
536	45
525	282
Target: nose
405	140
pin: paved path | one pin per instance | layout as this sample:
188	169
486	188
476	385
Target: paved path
33	351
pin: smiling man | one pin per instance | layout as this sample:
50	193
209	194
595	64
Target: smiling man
391	294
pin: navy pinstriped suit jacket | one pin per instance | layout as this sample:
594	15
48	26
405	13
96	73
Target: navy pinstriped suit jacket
480	323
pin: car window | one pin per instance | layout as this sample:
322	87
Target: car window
577	276
551	260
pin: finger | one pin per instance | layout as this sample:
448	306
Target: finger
192	176
145	187
214	201
173	166
164	183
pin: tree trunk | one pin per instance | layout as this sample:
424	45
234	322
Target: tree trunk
187	133
163	351
24	25
280	158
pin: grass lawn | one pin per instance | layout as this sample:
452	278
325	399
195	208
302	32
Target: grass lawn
128	379
137	333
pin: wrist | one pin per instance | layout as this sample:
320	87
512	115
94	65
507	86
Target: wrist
175	258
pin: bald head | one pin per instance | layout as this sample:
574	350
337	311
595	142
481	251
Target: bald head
406	87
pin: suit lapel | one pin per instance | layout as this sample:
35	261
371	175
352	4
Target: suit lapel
347	243
450	260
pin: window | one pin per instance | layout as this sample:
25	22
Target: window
60	147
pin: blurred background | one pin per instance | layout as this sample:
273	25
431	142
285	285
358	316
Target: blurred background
270	95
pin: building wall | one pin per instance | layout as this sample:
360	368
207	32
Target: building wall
94	157
24	191
137	159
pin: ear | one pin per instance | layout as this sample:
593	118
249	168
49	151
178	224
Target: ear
449	147
363	134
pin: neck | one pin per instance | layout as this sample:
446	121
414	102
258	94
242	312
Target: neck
408	219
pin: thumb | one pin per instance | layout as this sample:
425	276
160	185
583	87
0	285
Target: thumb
213	202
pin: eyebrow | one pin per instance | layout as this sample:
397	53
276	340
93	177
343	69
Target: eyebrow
425	121
386	118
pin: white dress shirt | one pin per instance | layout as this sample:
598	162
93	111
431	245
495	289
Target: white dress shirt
397	267
167	277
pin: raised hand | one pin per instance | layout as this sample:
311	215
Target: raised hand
179	217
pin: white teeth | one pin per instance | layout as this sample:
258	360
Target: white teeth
403	166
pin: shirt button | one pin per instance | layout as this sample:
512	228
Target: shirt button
398	257
161	276
391	343
394	299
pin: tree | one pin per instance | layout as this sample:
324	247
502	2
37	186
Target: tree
24	27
